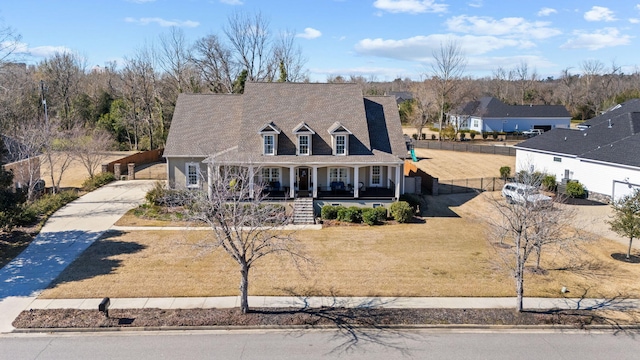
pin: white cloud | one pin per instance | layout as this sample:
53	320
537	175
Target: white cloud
599	13
634	20
410	6
38	51
545	11
607	37
511	27
232	2
162	22
309	33
476	4
420	48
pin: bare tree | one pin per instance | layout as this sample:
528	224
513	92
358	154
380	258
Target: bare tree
290	57
245	226
626	218
9	42
215	62
525	79
423	106
89	147
448	68
62	73
249	37
524	227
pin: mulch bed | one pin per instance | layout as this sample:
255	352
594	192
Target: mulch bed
339	317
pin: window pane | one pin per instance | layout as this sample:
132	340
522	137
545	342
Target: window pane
268	144
375	175
340	144
304	144
192	175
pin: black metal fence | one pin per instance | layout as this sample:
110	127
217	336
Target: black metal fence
463	146
460	186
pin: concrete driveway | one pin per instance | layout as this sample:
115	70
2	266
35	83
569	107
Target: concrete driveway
67	233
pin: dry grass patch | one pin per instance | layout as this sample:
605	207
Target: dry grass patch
451	165
443	257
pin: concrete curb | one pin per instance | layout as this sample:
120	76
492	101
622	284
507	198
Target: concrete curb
328	327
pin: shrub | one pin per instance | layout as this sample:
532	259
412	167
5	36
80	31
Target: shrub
381	213
330	212
414	136
494	135
369	216
401	211
161	195
352	214
433	136
485	135
549	182
413	200
462	135
97	181
44	207
575	189
505	172
472	134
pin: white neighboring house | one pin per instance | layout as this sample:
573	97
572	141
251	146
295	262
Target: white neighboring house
603	154
489	114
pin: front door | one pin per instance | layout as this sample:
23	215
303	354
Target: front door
303	179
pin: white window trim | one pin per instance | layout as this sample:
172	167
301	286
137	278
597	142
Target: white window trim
346	144
274	144
347	175
270	174
308	136
371	183
186	174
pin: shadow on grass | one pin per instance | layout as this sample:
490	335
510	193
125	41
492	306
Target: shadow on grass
97	259
440	205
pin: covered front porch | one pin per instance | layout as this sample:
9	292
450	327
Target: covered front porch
332	182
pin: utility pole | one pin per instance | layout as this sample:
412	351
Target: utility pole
43	88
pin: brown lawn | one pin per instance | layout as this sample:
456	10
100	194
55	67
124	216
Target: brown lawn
445	256
451	165
76	173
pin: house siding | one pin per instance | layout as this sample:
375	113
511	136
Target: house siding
611	180
176	170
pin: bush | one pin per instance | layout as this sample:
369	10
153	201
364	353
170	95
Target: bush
161	195
369	216
575	189
381	213
549	182
505	172
472	134
413	200
414	136
401	211
494	135
44	207
462	135
330	212
97	181
433	136
352	214
485	135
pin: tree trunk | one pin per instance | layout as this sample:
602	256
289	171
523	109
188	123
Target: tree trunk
519	275
629	250
244	288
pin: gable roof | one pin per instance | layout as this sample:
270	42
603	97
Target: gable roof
490	107
612	137
208	124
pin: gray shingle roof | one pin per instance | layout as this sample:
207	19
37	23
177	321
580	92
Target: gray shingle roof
618	143
490	107
206	124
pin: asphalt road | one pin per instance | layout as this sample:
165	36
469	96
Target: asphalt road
417	344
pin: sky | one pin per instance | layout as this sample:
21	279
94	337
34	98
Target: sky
380	40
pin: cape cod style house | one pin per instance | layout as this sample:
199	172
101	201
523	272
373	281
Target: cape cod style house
327	142
489	114
603	153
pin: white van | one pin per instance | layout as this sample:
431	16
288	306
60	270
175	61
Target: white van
516	193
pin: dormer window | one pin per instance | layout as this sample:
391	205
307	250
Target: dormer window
339	139
269	134
269	148
304	134
341	145
303	144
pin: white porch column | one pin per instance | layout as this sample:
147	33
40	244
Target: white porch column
251	175
397	182
356	180
314	179
210	180
292	180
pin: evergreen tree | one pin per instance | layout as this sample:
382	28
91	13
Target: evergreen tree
238	85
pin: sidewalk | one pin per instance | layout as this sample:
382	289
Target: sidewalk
299	302
67	233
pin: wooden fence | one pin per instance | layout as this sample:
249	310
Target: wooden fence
465	146
459	186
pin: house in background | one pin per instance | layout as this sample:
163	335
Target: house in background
603	153
326	142
489	114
